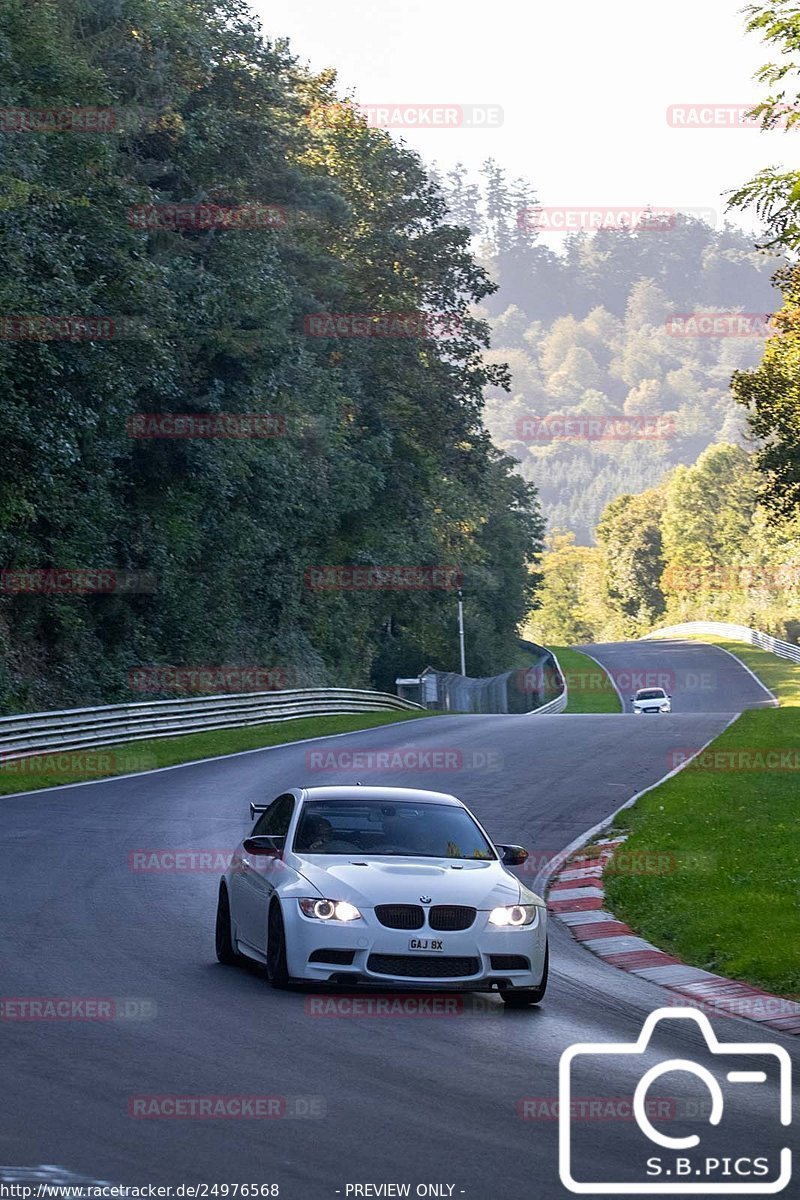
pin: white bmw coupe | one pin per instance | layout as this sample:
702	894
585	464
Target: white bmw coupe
385	887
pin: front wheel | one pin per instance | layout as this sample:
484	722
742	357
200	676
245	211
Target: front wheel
522	997
277	970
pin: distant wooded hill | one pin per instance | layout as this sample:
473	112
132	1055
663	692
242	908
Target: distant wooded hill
590	331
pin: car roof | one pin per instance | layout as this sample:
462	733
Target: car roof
651	689
394	795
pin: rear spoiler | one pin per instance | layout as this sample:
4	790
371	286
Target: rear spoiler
257	808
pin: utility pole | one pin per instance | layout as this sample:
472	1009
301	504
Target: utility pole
461	631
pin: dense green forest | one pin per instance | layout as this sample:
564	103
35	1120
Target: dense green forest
379	455
588	331
703	545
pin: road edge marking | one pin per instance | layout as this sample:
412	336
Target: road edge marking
612	680
738	660
735	657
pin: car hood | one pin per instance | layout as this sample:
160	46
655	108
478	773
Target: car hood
366	882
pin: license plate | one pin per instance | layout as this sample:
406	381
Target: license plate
426	944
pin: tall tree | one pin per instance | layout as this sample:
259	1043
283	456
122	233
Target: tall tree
771	393
629	535
708	512
567	610
384	459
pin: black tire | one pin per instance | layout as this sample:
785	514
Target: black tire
277	970
226	952
523	997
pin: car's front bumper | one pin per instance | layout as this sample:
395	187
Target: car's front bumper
487	954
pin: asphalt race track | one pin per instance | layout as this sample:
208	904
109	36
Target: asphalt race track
697	680
369	1100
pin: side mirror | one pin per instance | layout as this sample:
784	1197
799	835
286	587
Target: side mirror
631	698
262	846
513	856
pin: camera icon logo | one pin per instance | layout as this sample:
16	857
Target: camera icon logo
656	1163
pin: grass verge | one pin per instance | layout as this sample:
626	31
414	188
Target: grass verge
104	762
589	687
727	829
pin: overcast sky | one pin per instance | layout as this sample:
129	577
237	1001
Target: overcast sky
584	88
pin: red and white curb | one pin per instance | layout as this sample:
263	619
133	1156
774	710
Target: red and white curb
576	897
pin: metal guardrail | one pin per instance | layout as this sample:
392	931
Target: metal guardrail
77	728
560	703
736	633
83	728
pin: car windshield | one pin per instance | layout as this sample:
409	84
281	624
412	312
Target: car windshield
651	694
398	830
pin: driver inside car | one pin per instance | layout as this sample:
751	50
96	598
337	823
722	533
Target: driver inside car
316	836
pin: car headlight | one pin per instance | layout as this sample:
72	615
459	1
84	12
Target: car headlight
513	915
329	910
